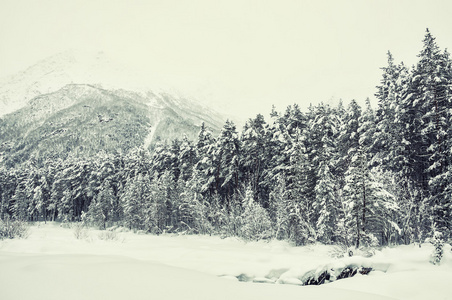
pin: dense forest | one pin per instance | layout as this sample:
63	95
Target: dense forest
348	175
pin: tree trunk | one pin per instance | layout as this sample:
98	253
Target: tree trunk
364	207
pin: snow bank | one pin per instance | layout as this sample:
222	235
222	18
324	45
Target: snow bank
53	264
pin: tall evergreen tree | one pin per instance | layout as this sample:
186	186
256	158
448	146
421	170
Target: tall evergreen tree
323	129
253	141
187	159
134	201
228	147
103	207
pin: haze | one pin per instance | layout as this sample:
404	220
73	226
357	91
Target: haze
239	56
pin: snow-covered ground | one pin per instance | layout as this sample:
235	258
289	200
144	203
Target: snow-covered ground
52	264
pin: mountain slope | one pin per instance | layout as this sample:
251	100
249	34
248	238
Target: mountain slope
73	67
82	119
51	74
76	103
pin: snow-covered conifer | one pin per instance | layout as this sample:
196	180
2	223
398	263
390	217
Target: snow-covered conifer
256	222
438	250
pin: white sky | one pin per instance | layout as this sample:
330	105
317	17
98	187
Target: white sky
242	56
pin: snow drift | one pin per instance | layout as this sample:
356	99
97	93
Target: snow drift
53	264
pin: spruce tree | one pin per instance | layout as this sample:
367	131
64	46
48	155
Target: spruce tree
102	208
426	114
135	200
323	131
230	171
278	209
253	157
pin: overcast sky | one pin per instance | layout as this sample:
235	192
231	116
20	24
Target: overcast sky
242	56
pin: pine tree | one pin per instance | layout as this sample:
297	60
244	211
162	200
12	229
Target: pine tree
38	203
135	200
162	210
187	159
323	134
20	203
393	151
389	143
300	185
275	156
253	157
357	182
432	76
193	207
426	112
102	208
7	189
355	192
139	161
368	203
230	172
438	251
278	209
207	161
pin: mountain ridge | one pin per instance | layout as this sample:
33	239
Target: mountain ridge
49	120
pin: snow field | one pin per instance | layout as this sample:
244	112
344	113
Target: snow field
53	264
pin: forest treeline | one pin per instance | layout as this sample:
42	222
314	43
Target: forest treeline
346	175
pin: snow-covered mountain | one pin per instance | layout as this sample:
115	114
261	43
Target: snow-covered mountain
48	76
75	67
84	104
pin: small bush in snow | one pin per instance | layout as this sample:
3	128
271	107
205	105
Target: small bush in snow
339	251
256	223
108	236
10	229
80	231
438	244
65	224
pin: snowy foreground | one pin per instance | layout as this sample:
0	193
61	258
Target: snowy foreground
53	264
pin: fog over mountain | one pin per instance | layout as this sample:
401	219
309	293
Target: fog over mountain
81	104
